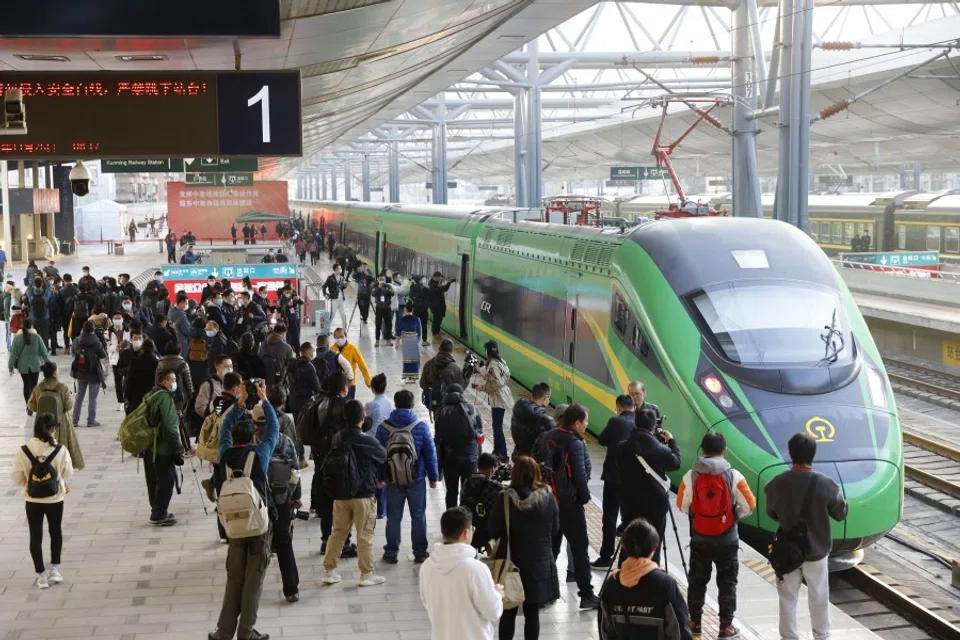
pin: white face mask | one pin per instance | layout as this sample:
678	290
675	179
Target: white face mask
127	307
173	387
118	323
341	341
137	344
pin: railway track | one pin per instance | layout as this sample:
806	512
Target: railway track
932	462
937	384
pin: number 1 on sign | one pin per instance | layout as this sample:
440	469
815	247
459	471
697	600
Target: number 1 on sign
263	97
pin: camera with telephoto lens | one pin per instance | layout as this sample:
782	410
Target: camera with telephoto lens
470	365
251	385
300	514
659	430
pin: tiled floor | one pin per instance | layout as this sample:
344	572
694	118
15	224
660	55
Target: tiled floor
128	580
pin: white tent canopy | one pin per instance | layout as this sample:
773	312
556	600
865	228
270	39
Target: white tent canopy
99	221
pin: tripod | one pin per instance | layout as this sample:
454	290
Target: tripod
665	485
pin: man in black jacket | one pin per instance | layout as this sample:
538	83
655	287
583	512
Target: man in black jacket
564	455
419	296
304	383
617	430
361	510
529	420
457	427
332	289
638	391
639	601
440	372
649	492
437	301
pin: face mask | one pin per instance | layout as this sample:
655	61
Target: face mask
218	302
86	273
118	323
341	341
210	334
137	344
211	282
127	307
226	371
380	282
173	387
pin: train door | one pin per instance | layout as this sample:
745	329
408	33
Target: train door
464	303
570	338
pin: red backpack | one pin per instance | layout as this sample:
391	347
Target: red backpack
711	508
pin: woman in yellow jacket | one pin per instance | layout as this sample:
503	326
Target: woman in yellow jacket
352	355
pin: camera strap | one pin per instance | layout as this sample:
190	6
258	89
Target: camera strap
664	483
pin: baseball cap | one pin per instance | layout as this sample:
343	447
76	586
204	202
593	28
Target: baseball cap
259	417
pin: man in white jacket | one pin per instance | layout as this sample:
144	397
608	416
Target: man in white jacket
457	589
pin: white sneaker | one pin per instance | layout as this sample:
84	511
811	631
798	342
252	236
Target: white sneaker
53	575
332	577
371	580
42	581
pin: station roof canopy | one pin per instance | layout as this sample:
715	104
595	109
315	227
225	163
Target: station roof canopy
362	61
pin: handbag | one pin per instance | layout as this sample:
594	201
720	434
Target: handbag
503	570
789	547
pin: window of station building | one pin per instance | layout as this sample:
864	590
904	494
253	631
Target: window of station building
901	236
849	230
933	238
837	233
814	229
951	240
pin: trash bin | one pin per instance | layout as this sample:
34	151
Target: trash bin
66	248
118	248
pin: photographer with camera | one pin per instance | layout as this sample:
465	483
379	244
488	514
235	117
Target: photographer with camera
437	300
643	461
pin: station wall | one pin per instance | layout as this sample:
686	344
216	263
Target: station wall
209	212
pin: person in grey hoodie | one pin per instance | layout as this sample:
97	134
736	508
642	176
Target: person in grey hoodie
786	495
180	323
715	496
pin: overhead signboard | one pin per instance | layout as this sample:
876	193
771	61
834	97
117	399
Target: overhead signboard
620	183
156	115
142	165
637	173
450	185
143	19
192	278
219	179
833	179
903	259
217	165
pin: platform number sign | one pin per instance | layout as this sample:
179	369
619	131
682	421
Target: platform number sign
259	114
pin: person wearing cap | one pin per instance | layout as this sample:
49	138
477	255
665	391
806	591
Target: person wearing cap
440	372
247	558
437	301
287	499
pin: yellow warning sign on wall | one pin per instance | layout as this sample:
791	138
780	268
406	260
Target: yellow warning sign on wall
951	353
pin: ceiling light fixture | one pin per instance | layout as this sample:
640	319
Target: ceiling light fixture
141	58
32	57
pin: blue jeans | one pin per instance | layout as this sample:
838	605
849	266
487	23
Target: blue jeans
396	323
499	441
397	496
91	389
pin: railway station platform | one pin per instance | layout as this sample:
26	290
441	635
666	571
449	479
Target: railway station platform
127	580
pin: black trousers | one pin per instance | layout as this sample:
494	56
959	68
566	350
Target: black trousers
455	471
118	379
703	555
217	480
531	622
573	527
161	475
383	323
283	547
363	303
53	512
321	503
29	382
422	314
437	314
611	510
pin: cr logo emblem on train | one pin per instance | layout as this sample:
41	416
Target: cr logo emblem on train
821	429
485	307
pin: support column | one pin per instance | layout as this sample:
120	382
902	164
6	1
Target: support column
365	169
440	153
333	183
394	171
323	185
347	178
535	124
5	194
783	209
745	180
520	142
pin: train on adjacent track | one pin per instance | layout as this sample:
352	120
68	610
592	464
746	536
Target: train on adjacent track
896	221
738	325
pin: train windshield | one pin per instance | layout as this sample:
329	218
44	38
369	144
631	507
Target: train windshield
775	324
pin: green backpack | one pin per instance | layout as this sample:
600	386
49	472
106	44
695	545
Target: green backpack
136	434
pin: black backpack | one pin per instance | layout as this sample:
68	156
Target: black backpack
81	308
340	473
274	373
81	362
788	550
38	306
279	476
43	481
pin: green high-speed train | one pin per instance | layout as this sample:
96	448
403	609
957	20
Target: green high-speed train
738	325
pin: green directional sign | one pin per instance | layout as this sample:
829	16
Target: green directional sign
142	165
220	165
637	173
219	179
914	259
201	179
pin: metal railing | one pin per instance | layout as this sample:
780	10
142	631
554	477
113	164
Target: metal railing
900	272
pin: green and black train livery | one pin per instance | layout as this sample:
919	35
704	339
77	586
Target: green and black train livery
738	325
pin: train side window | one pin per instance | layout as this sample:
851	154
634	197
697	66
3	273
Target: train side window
814	229
933	238
837	233
951	242
626	325
621	315
638	343
901	236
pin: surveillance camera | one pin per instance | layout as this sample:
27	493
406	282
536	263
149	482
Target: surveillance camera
14	113
79	179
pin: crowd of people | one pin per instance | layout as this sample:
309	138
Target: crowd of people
227	380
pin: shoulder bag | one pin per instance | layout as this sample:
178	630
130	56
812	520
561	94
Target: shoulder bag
503	570
788	550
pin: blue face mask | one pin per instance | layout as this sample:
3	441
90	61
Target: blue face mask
173	387
211	334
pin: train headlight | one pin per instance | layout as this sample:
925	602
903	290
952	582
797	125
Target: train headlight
878	390
718	392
